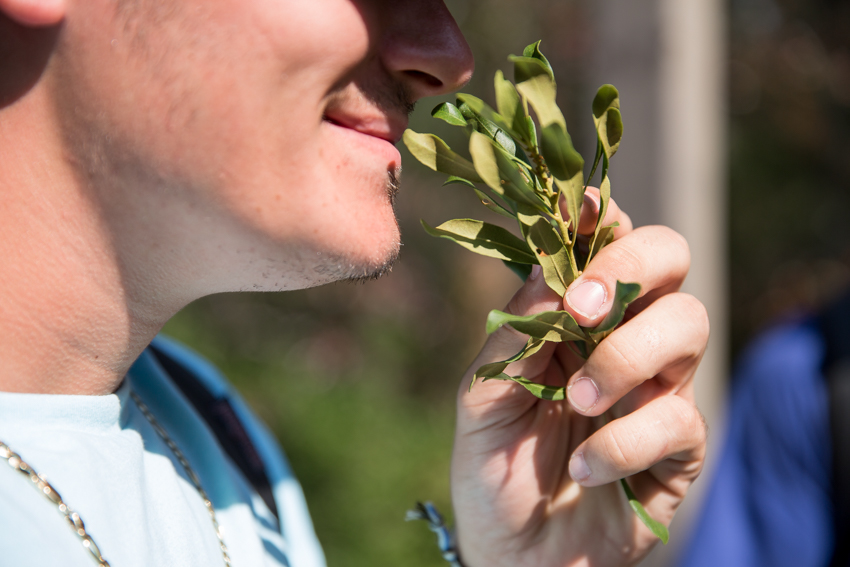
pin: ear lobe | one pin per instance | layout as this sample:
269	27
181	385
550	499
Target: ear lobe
34	13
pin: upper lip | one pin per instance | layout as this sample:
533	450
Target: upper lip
386	126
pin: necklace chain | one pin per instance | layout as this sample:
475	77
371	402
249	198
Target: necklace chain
39	482
143	407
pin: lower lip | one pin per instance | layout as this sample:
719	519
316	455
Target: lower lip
372	144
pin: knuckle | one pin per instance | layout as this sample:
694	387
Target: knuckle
519	304
620	357
677	242
697	315
688	422
627	262
675	247
619	451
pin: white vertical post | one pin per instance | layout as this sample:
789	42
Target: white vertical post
667	57
693	185
693	174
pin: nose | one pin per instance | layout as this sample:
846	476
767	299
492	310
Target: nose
424	48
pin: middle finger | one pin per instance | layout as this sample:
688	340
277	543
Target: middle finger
656	257
665	342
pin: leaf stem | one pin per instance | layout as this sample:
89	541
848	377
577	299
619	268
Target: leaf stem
568	240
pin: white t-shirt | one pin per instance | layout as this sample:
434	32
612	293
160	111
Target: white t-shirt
109	465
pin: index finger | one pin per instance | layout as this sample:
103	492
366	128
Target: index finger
590	213
656	257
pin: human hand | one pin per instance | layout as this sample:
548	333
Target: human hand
533	481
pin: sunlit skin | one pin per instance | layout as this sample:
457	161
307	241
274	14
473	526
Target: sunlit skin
178	149
154	152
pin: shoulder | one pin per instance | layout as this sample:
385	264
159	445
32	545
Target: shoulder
202	369
783	363
780	399
784	351
243	436
289	504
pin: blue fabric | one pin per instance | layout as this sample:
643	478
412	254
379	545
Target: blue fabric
769	503
295	524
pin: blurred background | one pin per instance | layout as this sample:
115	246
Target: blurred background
737	134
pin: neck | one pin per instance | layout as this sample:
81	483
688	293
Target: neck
71	320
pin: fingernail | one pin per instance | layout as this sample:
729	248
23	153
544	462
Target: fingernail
592	201
578	468
587	298
535	271
583	394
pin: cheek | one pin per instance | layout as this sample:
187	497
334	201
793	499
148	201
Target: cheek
235	125
303	32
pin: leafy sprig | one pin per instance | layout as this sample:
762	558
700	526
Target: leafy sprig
529	171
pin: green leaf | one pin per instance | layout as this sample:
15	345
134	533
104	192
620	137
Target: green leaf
613	130
511	108
498	170
491	204
553	326
526	68
541	391
599	153
609	130
547	245
484	125
521	270
540	93
484	160
460	180
561	157
433	152
607	119
567	166
598	241
484	119
656	527
484	238
494	369
573	193
505	141
532	131
623	296
449	113
533	50
606	97
480	109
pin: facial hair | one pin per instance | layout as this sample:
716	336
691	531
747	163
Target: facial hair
345	268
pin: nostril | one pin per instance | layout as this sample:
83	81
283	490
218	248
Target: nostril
426	78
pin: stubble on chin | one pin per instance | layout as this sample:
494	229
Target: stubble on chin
346	268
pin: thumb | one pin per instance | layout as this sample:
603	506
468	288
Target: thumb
533	297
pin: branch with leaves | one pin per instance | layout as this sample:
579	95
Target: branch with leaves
530	172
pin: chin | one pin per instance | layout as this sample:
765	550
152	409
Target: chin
371	238
372	266
361	252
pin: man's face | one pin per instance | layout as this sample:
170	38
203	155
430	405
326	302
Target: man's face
261	132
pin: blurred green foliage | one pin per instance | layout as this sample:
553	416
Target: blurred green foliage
362	447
